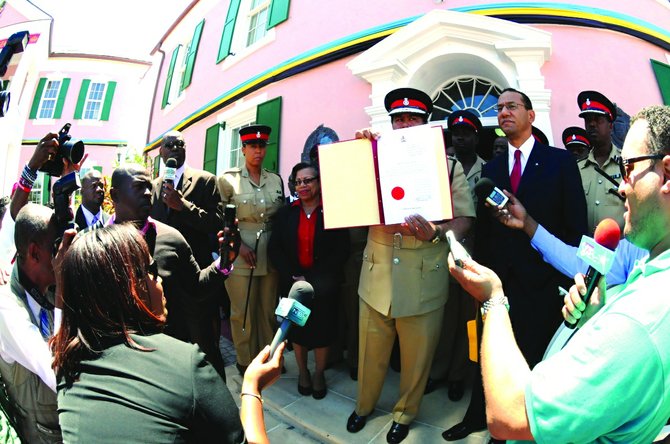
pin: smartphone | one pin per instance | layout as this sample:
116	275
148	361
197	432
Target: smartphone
229	215
457	249
497	198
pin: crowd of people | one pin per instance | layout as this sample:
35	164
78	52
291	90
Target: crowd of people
112	333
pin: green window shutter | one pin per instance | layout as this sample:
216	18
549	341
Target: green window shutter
46	188
662	72
278	12
65	84
269	113
190	57
109	96
228	30
168	79
81	100
37	98
212	147
157	165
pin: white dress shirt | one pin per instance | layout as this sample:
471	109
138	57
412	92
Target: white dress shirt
525	148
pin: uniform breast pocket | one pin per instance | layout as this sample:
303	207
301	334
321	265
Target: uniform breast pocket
365	283
246	205
435	276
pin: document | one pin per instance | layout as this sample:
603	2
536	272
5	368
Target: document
381	182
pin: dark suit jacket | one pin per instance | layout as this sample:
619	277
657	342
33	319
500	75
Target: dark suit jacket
551	191
185	285
80	219
201	218
331	249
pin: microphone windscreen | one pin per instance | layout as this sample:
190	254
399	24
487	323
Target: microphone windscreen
483	188
171	163
301	291
607	233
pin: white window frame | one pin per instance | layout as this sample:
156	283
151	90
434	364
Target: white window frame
262	7
90	101
238	47
40	109
176	94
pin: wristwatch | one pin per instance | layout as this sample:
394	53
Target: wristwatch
438	235
498	300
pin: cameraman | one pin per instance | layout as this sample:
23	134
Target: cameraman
26	324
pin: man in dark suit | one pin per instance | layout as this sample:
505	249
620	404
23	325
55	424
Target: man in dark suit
186	286
90	212
193	206
547	182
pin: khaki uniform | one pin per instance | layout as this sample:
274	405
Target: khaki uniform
403	288
256	203
600	203
473	177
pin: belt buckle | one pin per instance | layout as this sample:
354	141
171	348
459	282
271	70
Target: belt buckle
397	241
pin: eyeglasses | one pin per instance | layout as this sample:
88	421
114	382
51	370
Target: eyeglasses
626	165
174	144
512	106
306	181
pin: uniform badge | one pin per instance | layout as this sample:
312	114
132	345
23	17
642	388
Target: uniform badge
588	102
574	137
405	101
258	135
460	119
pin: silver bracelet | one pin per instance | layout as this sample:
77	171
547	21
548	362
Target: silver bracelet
488	305
252	394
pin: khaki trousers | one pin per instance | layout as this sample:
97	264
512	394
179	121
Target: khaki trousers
261	322
418	337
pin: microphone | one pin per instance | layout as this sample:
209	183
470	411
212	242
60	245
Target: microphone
170	171
485	189
598	253
292	310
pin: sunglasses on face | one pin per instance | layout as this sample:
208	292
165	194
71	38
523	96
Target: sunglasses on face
306	181
152	269
626	165
174	144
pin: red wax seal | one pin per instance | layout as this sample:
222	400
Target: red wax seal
397	193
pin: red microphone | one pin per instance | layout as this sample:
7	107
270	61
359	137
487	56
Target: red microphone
598	253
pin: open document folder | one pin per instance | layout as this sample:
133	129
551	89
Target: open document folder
381	182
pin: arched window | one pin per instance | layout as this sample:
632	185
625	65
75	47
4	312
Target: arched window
475	94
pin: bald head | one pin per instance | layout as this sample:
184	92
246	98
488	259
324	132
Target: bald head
173	146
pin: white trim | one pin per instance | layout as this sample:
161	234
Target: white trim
444	45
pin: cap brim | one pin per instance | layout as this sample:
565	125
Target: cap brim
593	111
407	110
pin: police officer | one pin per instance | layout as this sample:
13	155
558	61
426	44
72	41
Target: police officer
396	297
257	194
602	198
576	140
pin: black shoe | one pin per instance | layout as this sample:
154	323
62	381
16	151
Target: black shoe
397	433
241	368
456	390
459	431
355	423
304	390
353	373
319	394
431	385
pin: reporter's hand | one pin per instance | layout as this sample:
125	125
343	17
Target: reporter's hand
575	310
367	133
229	245
70	167
481	282
264	370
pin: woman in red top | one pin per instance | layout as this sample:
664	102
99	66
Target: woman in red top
301	249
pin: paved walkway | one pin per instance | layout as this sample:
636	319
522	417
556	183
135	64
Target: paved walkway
292	418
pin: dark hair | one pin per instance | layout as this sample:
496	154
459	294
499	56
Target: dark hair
34	224
524	98
301	166
103	282
658	124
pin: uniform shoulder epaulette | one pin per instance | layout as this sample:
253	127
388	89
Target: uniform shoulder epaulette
271	172
233	170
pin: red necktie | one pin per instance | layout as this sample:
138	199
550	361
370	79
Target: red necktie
515	178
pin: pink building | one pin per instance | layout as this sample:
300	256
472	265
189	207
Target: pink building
299	65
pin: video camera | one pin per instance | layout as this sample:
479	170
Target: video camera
68	148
